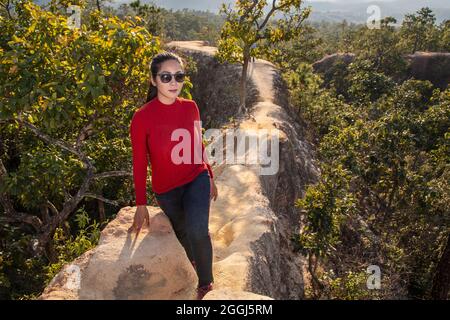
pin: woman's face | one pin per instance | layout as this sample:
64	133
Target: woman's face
173	88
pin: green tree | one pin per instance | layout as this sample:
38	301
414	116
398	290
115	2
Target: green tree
305	47
444	36
365	84
418	31
152	15
67	96
247	24
382	191
380	46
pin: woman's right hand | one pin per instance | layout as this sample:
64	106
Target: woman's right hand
141	218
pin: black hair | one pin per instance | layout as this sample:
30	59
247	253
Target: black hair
155	66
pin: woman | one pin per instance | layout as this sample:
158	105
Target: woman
183	189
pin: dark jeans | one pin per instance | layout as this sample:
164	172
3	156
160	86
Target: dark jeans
187	208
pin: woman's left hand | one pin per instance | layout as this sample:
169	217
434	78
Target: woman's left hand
213	190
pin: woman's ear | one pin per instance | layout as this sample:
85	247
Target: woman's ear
152	82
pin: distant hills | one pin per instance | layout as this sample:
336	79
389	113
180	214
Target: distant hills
337	10
356	11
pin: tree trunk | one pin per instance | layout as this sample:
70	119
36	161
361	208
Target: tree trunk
50	251
101	210
317	285
243	85
45	216
441	280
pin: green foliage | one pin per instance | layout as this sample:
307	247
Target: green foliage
63	70
389	168
414	95
365	84
70	80
444	36
384	47
150	13
381	47
351	286
174	25
358	82
69	247
319	106
192	25
384	158
66	98
303	47
418	31
336	36
325	206
249	23
21	275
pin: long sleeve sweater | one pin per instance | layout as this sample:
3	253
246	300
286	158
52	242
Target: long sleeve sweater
170	136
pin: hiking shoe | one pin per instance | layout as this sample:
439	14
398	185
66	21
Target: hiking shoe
201	291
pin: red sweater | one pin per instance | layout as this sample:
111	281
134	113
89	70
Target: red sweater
151	129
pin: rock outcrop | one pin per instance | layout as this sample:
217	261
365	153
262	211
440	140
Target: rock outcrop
152	265
431	66
251	223
324	64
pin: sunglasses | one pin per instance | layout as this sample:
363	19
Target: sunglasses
167	77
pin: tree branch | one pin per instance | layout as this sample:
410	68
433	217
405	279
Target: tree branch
69	206
24	218
57	142
88	130
111	174
269	14
7	8
85	132
95	196
52	208
4	199
248	11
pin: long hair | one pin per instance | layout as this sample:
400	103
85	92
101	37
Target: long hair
155	66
